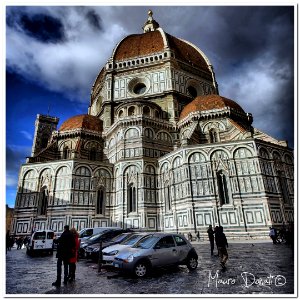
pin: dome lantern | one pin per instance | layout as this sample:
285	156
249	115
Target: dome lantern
150	24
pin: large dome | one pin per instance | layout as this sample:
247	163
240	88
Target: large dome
152	42
82	122
151	65
209	102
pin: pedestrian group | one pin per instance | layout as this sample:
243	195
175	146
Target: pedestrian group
217	235
67	249
285	234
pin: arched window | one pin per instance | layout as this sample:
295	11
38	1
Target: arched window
100	202
131	198
43	203
167	198
131	111
213	136
146	111
222	187
93	154
284	187
66	152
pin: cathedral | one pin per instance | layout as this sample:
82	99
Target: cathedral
158	150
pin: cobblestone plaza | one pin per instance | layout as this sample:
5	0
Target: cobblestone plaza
254	267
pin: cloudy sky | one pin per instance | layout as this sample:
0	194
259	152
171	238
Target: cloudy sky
54	53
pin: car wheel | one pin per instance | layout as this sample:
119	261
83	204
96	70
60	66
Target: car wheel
141	269
192	263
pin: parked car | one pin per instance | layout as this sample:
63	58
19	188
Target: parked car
41	241
156	250
92	251
86	233
110	252
105	235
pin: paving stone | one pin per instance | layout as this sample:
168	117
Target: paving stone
34	275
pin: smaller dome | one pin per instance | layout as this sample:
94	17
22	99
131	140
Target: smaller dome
82	122
209	102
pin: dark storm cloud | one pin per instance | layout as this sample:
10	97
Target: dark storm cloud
245	31
44	28
94	19
40	26
91	16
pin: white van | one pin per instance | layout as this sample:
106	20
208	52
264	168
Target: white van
41	241
85	233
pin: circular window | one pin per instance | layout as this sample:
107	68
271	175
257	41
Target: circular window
138	86
192	91
139	89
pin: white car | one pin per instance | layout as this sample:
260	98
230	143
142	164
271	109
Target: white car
109	253
41	241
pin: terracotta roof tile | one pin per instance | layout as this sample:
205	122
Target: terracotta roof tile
152	42
139	45
82	122
208	102
187	53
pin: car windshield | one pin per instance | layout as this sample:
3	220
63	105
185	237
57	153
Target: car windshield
81	231
96	236
132	239
40	235
146	242
119	237
85	232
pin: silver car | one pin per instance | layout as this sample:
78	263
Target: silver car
157	250
109	253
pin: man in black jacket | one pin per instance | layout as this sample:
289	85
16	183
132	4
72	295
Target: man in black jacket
211	237
65	244
221	242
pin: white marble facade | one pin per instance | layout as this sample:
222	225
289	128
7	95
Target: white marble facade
166	158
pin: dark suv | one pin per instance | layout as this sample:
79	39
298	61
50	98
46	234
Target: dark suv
104	236
92	251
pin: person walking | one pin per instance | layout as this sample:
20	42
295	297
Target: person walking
11	242
19	243
190	237
221	242
211	237
65	244
74	258
198	236
272	234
